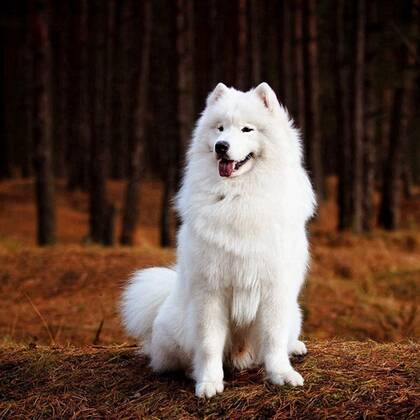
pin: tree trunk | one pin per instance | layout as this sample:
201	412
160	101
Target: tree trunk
255	14
60	47
345	103
300	68
390	211
39	10
119	127
78	124
27	106
411	157
140	93
287	62
312	103
5	167
97	166
241	63
109	79
371	115
166	102
185	37
169	185
357	161
216	42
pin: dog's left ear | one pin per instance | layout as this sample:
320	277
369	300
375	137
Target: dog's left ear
267	95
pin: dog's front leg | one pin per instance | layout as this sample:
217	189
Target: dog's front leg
210	338
274	319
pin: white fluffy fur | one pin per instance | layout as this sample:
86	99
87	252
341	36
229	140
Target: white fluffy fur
242	251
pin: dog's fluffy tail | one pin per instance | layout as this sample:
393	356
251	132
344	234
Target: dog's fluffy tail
142	298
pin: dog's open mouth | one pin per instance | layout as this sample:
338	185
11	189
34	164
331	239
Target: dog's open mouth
226	167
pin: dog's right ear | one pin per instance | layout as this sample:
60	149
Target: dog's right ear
217	93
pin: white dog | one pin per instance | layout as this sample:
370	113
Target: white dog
242	249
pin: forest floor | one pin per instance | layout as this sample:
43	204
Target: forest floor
343	380
63	353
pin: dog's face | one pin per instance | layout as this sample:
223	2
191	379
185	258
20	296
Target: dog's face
233	127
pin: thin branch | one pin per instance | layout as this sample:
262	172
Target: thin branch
42	318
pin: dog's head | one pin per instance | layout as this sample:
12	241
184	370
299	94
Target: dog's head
238	127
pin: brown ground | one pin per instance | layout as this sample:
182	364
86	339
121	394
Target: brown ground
359	288
342	379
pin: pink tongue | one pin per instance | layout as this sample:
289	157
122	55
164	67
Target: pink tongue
226	167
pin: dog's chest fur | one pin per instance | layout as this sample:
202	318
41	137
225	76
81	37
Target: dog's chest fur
235	238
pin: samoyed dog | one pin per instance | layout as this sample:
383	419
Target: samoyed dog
242	249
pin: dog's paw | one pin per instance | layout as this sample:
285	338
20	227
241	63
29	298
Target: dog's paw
208	389
290	377
297	348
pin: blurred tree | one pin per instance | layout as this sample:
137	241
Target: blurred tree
97	99
216	42
60	84
79	125
109	79
390	206
242	48
120	89
345	104
165	126
140	86
39	10
370	117
255	41
311	93
287	52
299	63
357	177
25	119
185	46
201	57
5	169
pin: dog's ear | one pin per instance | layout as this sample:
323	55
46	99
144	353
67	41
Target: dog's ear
217	93
267	95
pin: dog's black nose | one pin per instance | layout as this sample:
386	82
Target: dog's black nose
221	147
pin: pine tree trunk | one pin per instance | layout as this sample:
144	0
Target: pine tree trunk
39	10
60	43
344	101
255	42
241	63
78	124
371	116
169	185
286	60
357	161
167	132
5	167
27	106
119	127
216	42
97	79
312	103
389	212
185	38
109	78
390	206
272	50
300	67
140	93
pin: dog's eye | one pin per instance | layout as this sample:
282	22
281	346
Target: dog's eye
247	129
220	128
